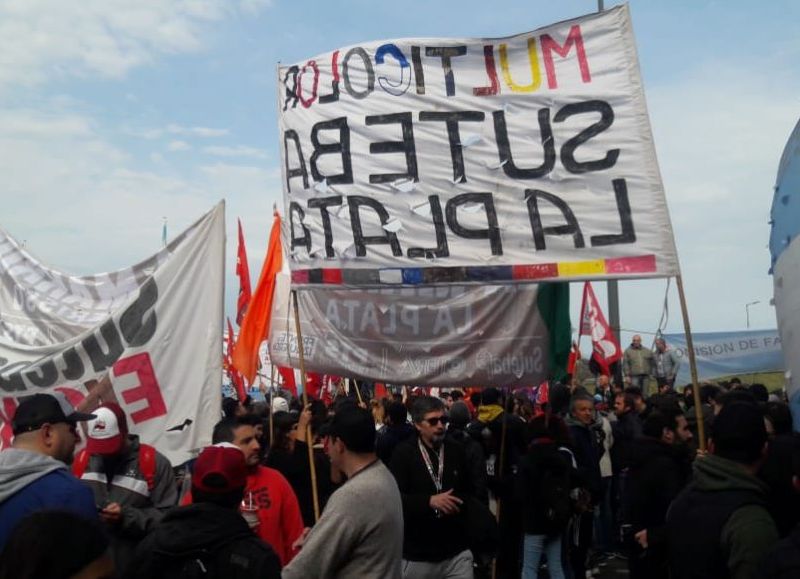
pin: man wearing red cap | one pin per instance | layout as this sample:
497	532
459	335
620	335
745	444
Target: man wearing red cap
208	538
133	484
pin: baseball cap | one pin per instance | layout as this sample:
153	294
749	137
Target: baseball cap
50	408
219	469
108	431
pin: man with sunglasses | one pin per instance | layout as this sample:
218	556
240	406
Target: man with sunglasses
33	472
433	479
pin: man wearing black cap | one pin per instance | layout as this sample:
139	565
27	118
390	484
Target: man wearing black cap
33	472
719	526
360	533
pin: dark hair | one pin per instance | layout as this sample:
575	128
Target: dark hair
355	427
456	395
52	544
628	402
250	420
549	426
780	416
490	396
709	392
224	430
580	397
423	405
736	395
282	423
656	422
760	392
634	391
738	432
397	413
229	406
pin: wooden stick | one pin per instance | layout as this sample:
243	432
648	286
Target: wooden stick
358	392
698	409
271	398
309	439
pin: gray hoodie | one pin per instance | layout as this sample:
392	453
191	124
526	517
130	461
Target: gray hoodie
19	468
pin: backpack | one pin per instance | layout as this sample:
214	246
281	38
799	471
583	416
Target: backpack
147	464
554	500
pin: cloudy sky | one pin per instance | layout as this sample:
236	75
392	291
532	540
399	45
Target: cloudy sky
116	114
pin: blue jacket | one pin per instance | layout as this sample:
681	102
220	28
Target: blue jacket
31	482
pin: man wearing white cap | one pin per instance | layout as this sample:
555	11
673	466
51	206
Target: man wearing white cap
33	473
133	484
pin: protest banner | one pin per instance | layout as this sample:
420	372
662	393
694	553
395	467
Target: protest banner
721	354
148	337
490	335
433	161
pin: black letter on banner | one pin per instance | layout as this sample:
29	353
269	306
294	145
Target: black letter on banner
504	148
627	235
323	204
44	376
405	146
100	359
135	329
453	134
342	147
446	53
299	171
493	231
74	369
291	93
368	69
361	242
441	249
539	232
568	149
419	73
12	382
305	240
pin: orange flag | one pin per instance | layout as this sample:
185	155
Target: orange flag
255	324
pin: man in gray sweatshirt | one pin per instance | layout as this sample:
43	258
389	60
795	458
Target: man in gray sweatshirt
360	533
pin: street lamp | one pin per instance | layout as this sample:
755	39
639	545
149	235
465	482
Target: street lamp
747	311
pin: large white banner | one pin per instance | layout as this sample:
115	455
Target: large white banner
432	160
148	337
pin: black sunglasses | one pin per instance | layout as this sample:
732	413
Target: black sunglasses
436	420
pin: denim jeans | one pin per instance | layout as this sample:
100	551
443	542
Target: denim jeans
532	549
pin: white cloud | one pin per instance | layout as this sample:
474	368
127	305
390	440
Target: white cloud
178	146
204	132
44	39
241	151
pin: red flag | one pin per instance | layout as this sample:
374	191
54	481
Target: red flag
255	325
291	378
243	271
574	356
605	348
236	379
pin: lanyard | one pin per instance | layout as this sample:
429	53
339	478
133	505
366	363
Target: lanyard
437	480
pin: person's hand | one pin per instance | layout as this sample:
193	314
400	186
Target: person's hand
111	514
701	453
641	538
446	503
301	540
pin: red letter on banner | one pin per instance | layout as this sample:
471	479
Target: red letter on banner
148	388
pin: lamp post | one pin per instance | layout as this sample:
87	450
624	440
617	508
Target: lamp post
747	311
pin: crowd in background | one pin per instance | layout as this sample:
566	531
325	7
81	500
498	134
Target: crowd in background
561	480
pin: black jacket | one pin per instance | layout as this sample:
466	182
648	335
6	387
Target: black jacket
429	537
218	536
658	472
587	456
476	462
625	429
542	458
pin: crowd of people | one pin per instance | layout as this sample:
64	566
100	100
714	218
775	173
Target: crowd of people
557	481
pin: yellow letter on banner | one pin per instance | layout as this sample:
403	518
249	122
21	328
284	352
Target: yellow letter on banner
536	76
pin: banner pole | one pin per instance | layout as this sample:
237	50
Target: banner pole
698	410
271	398
309	439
